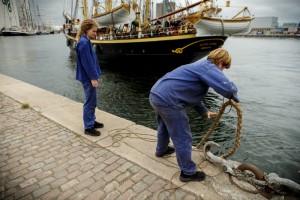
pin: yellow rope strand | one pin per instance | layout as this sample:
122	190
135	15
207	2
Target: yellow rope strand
216	122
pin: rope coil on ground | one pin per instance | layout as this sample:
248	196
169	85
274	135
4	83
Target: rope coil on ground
216	122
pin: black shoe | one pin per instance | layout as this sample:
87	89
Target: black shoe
198	176
98	125
92	132
170	150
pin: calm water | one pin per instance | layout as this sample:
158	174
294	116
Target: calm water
266	72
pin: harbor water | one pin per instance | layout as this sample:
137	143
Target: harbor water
265	70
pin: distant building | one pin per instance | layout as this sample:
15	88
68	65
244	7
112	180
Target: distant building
290	25
264	24
270	26
289	28
164	8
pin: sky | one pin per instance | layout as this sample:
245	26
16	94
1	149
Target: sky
285	10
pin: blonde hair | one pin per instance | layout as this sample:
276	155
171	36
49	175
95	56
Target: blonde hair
220	55
85	26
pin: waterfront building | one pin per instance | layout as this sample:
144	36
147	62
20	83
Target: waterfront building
270	26
291	28
288	29
264	25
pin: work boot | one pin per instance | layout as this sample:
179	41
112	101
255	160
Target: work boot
198	176
92	132
170	150
98	125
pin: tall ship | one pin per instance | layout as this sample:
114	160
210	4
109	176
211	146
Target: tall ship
127	37
16	19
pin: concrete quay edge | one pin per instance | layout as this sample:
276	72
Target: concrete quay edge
68	113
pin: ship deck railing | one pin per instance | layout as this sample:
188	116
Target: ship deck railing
123	36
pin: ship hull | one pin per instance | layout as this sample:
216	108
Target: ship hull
16	33
160	53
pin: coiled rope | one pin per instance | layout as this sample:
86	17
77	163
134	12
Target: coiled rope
216	122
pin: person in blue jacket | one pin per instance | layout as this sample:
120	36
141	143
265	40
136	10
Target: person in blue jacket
88	72
186	86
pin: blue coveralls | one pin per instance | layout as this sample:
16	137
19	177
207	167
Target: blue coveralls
87	69
184	87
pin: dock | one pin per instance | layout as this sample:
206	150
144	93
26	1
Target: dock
46	155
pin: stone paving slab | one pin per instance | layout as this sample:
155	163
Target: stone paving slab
40	159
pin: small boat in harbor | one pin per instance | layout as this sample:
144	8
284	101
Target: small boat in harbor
209	21
139	44
214	25
121	14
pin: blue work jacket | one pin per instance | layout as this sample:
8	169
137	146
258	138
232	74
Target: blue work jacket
187	85
87	63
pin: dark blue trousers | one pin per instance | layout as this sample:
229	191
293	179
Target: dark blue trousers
173	123
90	104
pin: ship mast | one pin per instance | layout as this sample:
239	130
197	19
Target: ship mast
147	2
75	10
85	9
109	5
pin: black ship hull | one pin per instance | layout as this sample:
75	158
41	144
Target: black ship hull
159	53
16	33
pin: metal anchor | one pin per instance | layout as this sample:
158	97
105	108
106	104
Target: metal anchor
260	181
227	165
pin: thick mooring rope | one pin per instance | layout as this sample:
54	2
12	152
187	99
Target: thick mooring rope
216	122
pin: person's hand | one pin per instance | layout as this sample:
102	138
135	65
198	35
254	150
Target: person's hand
95	83
210	114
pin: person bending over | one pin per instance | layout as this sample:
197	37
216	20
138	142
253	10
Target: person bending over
186	86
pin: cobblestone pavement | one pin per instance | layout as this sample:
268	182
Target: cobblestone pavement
40	159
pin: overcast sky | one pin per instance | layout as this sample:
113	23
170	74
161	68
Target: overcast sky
285	10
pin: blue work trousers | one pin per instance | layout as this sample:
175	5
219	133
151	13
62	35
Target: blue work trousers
173	123
89	106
